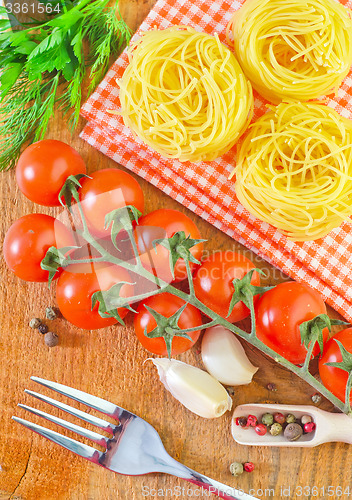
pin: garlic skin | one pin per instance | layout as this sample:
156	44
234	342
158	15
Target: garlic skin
198	391
224	357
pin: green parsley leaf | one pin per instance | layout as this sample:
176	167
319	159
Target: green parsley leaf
39	57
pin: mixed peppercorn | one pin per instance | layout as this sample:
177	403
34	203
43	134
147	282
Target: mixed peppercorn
236	468
51	339
277	423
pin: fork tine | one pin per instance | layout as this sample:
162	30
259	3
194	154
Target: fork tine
82	397
94	436
91	419
80	449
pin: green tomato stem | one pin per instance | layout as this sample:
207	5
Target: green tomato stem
190	280
347	406
305	367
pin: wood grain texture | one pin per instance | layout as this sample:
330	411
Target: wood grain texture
109	363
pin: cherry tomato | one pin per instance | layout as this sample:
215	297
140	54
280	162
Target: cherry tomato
279	313
164	223
332	377
77	284
43	168
107	190
166	304
27	241
213	283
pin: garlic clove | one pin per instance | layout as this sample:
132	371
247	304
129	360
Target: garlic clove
198	391
224	357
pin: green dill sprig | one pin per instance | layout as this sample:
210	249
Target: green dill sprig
43	63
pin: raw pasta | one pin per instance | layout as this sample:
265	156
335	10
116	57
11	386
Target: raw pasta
297	49
184	94
294	169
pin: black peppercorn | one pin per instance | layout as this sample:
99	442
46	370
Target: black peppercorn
43	328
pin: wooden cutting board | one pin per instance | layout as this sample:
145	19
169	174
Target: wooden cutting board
109	363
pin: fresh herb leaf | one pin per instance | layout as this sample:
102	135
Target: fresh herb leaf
37	58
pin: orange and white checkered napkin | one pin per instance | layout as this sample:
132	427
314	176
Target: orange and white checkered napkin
325	265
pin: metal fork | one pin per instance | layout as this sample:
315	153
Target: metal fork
134	449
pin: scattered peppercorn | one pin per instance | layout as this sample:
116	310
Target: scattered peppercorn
35	323
293	432
305	419
236	469
261	429
252	420
316	398
248	467
50	313
43	328
275	429
267	418
51	339
279	418
242	421
290	419
271	387
309	427
231	391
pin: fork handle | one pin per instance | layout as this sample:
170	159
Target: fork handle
221	490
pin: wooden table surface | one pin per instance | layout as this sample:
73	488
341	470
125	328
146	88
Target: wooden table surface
109	363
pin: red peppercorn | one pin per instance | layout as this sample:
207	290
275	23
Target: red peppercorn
248	467
309	427
279	418
252	420
260	429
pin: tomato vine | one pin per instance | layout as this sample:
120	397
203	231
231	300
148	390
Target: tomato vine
123	219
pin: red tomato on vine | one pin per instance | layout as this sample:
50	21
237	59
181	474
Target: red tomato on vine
77	284
334	378
27	241
213	283
279	313
167	305
164	223
43	168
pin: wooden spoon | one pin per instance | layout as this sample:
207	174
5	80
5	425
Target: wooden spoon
329	426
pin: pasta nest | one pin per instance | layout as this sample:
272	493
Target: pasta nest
297	49
294	169
184	94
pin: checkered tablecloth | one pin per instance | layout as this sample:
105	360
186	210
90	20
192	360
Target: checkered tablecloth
325	265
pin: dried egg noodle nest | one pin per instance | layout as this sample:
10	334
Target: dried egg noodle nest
184	94
293	48
294	169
